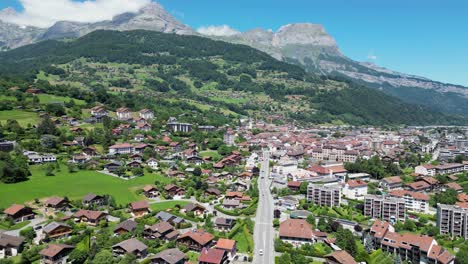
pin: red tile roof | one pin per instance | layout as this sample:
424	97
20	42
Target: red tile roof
295	228
200	236
14	209
211	255
226	244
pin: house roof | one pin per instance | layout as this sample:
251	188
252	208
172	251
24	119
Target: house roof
192	206
419	185
131	245
415	195
54	225
295	228
14	209
200	236
139	205
171	256
454	185
10	241
294	184
91	196
430	180
161	227
54	201
128	225
231	202
342	257
356	183
94	215
53	250
226	244
393	180
380	228
148	188
211	255
224	221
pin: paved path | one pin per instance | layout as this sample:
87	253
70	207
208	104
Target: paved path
34	222
264	232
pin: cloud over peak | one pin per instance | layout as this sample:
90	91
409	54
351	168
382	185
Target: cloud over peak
44	13
222	30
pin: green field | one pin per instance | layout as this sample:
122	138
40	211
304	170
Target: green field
49	98
74	186
23	117
162	206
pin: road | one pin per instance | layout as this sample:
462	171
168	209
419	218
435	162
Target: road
264	233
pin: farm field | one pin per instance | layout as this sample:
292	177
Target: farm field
163	206
23	117
74	186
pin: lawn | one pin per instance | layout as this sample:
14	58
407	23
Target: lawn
49	98
193	256
73	185
23	117
15	226
242	243
211	153
163	206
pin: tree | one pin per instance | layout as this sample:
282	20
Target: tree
409	225
397	259
104	257
303	187
78	256
462	254
368	243
128	259
47	127
13	168
284	258
311	219
450	196
345	240
28	233
322	225
197	172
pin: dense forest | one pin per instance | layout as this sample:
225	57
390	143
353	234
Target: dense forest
173	69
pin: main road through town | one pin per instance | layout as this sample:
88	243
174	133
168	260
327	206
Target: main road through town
264	232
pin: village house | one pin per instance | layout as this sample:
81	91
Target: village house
10	245
19	213
391	183
130	246
169	256
355	189
174	190
418	186
170	218
158	231
228	245
90	151
120	149
123	113
196	239
145	127
139	209
89	217
213	192
146	114
126	226
56	230
152	163
288	202
99	112
453	185
296	232
57	203
231	204
139	137
339	257
294	186
55	254
224	224
212	256
194	208
113	166
92	199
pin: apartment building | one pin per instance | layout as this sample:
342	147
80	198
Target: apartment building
383	207
414	201
324	195
452	220
432	170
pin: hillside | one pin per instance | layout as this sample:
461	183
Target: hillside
208	75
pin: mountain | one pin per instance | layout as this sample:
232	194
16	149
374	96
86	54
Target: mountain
304	44
202	75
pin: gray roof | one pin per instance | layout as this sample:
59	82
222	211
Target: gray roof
231	202
170	256
131	245
128	225
90	197
10	241
224	221
52	226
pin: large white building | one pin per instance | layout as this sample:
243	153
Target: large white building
355	189
414	201
452	220
390	209
324	195
124	148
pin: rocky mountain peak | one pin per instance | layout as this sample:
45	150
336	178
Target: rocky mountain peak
7	12
303	34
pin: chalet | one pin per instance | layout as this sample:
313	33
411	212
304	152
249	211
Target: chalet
152	163
99	112
124	113
194	208
125	227
169	256
19	213
79	159
455	186
54	253
231	203
134	164
10	245
140	148
234	195
89	217
93	199
228	245
56	230
146	114
391	183
57	203
212	256
170	218
224	224
130	246
296	232
174	190
418	186
139	209
150	191
433	182
196	160
213	192
90	151
158	231
124	148
196	239
294	186
139	137
175	146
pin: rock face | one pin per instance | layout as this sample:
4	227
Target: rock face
305	44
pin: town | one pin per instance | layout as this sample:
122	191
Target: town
123	185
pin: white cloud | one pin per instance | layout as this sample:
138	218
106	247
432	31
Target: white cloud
44	13
372	56
223	30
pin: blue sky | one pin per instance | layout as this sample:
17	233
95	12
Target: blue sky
427	38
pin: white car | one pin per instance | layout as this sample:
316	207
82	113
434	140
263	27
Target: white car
260	252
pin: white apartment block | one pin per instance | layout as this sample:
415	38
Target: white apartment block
452	220
324	195
386	208
414	201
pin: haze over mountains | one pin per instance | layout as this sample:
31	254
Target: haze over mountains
307	45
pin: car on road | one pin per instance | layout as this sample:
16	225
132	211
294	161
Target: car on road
260	252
